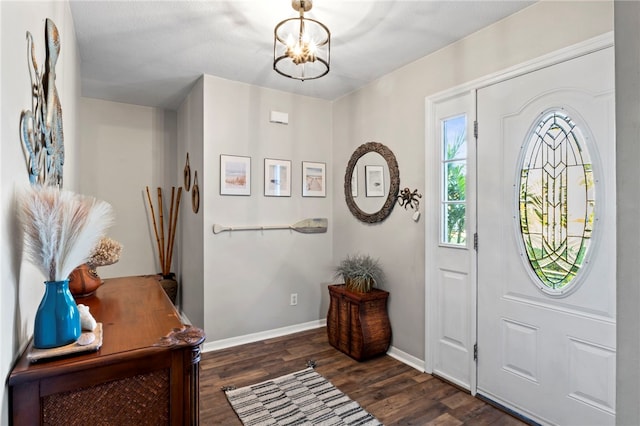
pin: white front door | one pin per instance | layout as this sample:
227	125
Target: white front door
546	246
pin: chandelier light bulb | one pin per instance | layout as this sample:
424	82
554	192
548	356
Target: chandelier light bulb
313	48
290	42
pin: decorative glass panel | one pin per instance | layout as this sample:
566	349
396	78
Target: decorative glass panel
454	178
556	200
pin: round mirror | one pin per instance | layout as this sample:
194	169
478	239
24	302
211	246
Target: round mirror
379	180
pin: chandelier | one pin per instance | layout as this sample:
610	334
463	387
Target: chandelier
301	46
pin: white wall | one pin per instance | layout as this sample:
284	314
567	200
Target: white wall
136	146
248	276
123	149
391	111
191	230
22	286
627	40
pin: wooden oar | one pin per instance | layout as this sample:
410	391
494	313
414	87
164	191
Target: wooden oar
305	226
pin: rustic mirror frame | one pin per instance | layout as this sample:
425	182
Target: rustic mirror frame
394	185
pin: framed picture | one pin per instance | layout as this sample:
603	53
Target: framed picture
277	178
374	176
314	179
354	182
235	175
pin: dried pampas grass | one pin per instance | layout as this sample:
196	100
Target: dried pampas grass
106	252
61	228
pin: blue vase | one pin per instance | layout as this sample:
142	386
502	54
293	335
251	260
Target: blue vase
57	319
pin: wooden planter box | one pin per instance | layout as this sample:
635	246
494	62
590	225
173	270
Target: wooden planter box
357	323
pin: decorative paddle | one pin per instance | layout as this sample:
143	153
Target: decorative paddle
305	226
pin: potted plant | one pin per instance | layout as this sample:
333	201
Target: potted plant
360	272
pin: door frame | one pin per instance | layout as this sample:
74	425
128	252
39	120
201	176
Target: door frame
432	178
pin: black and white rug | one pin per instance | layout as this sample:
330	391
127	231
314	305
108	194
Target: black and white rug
301	398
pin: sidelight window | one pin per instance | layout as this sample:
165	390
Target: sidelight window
454	179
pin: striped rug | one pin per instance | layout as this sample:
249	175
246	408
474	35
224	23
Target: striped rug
301	398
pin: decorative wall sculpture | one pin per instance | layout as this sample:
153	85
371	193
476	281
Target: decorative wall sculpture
187	175
41	127
406	198
195	194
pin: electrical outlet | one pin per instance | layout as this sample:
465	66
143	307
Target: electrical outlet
294	299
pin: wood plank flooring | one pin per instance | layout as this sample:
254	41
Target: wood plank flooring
390	390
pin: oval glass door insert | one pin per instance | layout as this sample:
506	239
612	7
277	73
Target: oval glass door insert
556	201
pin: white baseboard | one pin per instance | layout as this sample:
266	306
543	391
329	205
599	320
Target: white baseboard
401	356
263	335
185	319
405	358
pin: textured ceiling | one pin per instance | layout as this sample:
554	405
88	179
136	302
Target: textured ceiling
151	52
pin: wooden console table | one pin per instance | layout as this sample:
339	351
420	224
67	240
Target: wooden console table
145	373
357	323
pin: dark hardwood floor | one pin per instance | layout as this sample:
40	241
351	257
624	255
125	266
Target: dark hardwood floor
390	390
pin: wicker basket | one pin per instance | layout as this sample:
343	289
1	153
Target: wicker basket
357	323
170	286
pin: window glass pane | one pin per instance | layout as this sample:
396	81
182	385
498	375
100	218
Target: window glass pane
454	131
456	180
454	230
556	200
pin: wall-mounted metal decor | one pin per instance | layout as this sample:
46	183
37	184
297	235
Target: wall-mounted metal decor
195	194
407	198
41	127
187	175
394	182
